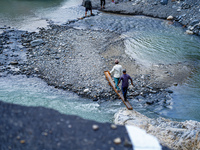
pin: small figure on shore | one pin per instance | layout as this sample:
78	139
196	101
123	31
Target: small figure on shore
113	1
88	6
125	78
103	3
117	70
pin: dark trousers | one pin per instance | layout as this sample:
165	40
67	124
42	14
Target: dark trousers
103	2
124	92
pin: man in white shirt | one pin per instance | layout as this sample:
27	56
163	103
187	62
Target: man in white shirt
117	70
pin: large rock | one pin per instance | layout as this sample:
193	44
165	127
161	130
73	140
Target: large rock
176	135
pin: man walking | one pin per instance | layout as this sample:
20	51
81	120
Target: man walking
88	6
125	78
117	70
103	2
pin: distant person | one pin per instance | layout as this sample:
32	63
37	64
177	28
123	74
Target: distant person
88	6
103	3
117	70
125	78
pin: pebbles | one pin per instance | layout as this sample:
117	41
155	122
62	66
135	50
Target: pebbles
14	63
74	65
78	65
117	140
184	12
95	127
113	126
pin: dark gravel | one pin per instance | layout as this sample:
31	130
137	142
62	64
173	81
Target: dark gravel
23	128
186	12
38	128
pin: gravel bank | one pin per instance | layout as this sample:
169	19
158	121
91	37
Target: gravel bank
186	12
75	60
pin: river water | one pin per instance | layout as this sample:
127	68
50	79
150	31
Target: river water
149	41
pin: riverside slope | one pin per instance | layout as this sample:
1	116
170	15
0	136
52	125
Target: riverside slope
186	12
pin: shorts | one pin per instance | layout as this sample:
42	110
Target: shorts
86	9
103	2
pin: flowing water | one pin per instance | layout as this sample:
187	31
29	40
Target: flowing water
31	14
35	92
149	41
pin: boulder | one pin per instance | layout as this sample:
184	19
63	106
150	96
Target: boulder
173	134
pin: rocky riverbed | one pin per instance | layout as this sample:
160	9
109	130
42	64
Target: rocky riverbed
176	135
75	59
186	12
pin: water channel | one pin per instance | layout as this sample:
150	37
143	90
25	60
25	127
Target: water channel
149	41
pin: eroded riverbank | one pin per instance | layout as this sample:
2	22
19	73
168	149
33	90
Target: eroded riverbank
186	12
74	59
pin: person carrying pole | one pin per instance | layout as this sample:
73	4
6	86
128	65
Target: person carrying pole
125	78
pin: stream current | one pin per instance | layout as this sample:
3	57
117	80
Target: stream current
150	41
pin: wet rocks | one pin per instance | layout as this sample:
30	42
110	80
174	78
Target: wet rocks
13	54
185	12
176	135
189	32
